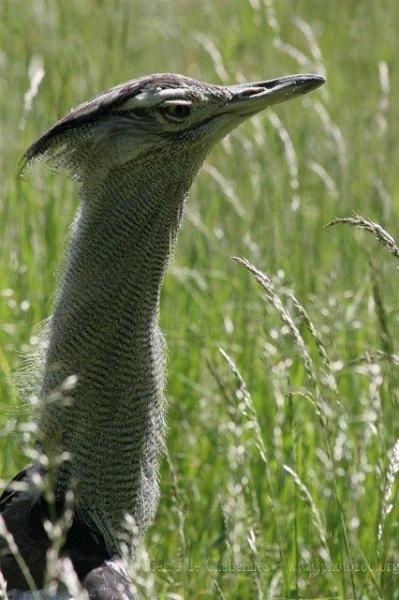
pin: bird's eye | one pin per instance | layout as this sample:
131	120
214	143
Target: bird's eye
176	111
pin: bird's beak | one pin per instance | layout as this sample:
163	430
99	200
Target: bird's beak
249	98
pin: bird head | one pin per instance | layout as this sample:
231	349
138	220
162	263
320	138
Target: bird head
165	115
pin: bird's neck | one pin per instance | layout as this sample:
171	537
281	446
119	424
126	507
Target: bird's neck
104	334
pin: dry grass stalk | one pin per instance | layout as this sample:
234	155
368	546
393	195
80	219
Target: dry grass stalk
307	496
387	499
245	396
318	339
275	300
379	232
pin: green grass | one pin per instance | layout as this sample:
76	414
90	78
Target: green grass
286	471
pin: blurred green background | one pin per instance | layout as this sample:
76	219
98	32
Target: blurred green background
232	524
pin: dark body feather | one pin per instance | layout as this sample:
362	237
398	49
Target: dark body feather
100	572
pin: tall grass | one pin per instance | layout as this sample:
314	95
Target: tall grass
281	474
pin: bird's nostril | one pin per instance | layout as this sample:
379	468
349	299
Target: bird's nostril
251	91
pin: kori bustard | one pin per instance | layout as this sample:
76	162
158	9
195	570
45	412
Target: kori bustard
135	151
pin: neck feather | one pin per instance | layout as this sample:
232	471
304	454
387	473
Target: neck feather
104	332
